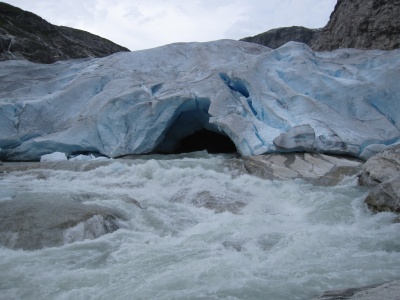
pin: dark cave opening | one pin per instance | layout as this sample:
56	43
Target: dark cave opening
190	130
206	140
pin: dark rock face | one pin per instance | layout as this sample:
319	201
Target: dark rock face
275	38
361	24
26	36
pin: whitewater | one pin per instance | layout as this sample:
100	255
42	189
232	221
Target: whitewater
195	227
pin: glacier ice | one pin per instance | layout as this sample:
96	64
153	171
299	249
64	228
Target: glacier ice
265	101
297	138
371	150
52	157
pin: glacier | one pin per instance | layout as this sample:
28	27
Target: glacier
285	100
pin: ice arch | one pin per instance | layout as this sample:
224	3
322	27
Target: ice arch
190	130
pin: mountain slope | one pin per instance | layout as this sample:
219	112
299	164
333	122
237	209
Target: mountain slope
277	37
361	24
26	36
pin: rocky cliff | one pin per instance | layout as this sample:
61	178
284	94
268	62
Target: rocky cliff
26	36
361	24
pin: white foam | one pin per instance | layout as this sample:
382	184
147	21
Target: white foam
291	240
7	194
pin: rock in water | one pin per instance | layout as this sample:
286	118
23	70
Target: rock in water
32	222
317	169
382	171
148	101
385	196
381	167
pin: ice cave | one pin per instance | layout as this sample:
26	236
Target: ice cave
190	130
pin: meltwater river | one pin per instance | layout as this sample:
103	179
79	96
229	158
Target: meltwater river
193	228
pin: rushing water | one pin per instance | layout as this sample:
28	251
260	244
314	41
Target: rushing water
196	228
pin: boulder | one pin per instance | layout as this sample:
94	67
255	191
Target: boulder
385	196
31	222
381	167
382	172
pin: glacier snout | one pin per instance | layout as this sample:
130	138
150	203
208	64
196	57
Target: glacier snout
263	100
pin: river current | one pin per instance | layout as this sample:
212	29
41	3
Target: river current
195	227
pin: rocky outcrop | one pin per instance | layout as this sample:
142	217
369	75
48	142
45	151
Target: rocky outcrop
317	169
388	291
361	24
275	38
26	36
382	172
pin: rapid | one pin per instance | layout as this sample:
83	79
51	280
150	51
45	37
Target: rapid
187	227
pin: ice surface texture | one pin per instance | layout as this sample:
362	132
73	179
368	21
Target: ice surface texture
265	101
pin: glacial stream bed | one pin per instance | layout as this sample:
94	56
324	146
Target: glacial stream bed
184	227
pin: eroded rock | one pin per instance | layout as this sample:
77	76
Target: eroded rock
317	169
381	167
382	172
385	196
32	222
